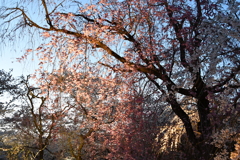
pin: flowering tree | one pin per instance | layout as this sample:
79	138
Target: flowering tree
100	121
189	50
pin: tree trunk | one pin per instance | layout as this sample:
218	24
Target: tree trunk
41	148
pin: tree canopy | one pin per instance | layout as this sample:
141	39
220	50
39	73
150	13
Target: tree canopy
187	54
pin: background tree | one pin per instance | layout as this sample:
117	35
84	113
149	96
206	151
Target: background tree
34	122
8	86
187	49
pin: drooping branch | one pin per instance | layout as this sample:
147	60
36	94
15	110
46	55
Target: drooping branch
28	21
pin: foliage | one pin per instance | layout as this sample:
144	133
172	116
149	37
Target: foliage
187	50
8	86
6	80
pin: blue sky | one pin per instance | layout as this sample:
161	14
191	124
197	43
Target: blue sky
10	52
8	61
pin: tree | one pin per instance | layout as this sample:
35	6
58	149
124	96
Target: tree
187	49
5	80
99	112
8	85
90	98
33	123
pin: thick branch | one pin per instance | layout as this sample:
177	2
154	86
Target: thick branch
184	117
47	14
199	14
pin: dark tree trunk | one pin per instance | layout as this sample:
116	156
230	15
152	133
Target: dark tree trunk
205	150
